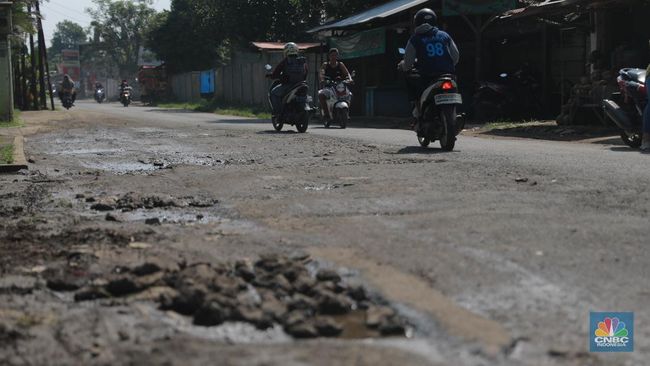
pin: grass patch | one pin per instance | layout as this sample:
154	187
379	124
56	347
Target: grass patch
15	122
219	107
7	154
506	125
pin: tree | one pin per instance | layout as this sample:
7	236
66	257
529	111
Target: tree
194	34
119	27
67	35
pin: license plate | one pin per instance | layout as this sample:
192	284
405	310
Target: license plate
451	98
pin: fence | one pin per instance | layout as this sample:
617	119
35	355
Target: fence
186	87
241	82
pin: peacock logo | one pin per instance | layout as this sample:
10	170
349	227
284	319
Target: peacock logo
611	327
611	332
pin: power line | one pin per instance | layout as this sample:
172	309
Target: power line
67	8
67	16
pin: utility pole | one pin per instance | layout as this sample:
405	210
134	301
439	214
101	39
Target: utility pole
32	80
23	75
6	80
43	59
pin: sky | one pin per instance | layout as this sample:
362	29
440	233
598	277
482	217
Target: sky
55	11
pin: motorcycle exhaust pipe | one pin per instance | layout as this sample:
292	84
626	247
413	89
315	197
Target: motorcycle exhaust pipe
616	114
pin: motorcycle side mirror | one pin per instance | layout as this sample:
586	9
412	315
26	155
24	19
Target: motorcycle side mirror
401	51
268	67
504	75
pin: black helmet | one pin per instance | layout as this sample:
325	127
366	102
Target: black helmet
427	16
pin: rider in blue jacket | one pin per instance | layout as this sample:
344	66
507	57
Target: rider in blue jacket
431	50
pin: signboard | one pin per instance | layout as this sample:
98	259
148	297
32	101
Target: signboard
456	7
70	58
362	44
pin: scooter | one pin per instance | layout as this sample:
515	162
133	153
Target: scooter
66	99
339	103
296	106
436	111
125	96
100	95
625	107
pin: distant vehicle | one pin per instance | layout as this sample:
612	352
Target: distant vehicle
297	109
625	107
339	104
125	96
100	95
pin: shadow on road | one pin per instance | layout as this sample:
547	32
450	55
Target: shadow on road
419	150
274	132
624	149
241	121
174	111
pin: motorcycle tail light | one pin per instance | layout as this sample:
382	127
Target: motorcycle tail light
447	85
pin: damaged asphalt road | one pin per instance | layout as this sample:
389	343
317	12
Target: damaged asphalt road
145	236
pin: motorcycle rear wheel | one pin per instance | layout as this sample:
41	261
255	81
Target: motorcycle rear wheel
631	140
449	130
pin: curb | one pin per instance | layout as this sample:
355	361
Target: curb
20	162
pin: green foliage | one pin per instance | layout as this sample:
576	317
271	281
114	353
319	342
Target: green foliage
119	27
67	35
222	108
194	33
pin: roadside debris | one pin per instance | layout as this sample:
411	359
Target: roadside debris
272	290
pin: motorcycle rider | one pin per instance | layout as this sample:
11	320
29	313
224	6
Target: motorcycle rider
124	85
334	70
67	86
98	87
290	71
435	52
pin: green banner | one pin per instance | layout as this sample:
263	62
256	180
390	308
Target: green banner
456	7
362	44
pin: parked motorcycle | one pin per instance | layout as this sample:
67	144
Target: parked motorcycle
296	108
100	95
436	111
513	96
340	102
625	107
125	96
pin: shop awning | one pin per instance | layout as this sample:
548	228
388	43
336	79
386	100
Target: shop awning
379	12
279	46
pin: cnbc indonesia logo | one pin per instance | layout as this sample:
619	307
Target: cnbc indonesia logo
613	333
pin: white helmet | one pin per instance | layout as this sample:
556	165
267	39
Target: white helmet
291	49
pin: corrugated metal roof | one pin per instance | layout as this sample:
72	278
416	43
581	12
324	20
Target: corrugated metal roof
379	12
279	46
551	6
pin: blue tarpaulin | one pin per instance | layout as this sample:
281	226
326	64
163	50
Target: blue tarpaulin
207	82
